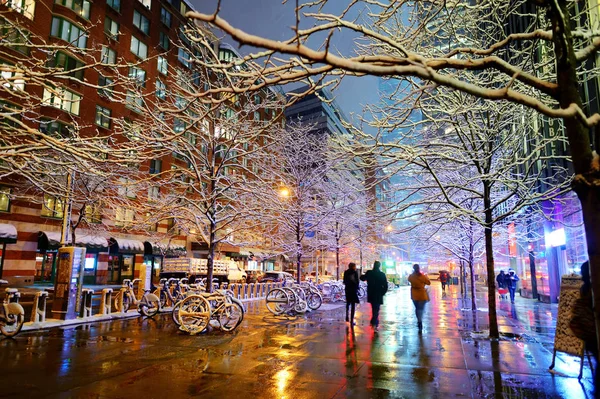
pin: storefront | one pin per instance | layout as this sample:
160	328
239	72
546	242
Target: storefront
8	235
155	252
121	260
48	244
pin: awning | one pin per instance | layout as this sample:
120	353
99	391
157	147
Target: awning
285	257
221	247
51	240
164	248
8	233
125	246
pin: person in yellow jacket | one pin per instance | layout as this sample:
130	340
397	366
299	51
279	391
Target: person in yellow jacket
418	293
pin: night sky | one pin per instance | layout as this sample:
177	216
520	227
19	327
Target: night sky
272	19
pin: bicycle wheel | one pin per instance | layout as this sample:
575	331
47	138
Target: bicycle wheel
175	313
163	299
314	301
150	305
230	316
194	314
277	301
15	319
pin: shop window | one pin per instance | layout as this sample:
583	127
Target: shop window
111	28
25	7
114	4
52	207
4	199
69	32
141	22
81	7
103	116
139	48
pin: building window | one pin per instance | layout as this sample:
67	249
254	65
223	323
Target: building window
164	41
256	115
108	56
184	57
55	128
52	207
141	22
139	48
4	199
138	75
114	4
25	7
146	3
163	65
170	223
68	32
10	78
183	8
93	214
103	116
106	84
62	99
68	63
134	101
111	28
165	17
161	90
155	166
16	39
153	193
257	99
123	216
81	7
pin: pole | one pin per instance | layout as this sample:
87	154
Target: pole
66	220
2	258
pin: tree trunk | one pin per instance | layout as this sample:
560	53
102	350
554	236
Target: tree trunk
298	251
472	272
491	281
211	257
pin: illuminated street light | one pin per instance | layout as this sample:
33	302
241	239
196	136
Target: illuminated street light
284	192
389	228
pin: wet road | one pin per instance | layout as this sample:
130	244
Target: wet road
317	356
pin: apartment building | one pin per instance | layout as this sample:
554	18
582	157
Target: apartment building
78	42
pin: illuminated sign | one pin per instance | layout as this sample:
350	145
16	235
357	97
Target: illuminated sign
556	238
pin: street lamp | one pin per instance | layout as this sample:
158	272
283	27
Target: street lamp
284	192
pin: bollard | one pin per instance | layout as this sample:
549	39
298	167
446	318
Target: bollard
263	292
236	290
121	307
86	303
244	293
268	288
39	307
105	303
258	290
250	291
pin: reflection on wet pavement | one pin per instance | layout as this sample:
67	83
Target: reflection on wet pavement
316	356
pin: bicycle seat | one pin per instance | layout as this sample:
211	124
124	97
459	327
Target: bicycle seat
11	290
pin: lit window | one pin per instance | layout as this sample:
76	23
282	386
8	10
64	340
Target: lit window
81	7
138	75
123	216
183	8
4	199
68	32
52	207
93	214
10	78
184	57
134	101
103	116
139	48
146	3
141	22
62	99
165	17
25	7
161	90
108	56
111	28
106	84
114	4
163	65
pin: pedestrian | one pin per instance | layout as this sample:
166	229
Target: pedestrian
376	288
501	279
511	284
351	288
443	280
418	293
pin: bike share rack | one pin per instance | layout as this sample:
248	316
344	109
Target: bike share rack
38	315
106	302
86	303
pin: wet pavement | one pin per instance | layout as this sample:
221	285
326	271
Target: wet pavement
315	356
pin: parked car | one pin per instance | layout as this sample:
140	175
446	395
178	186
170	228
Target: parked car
276	276
254	276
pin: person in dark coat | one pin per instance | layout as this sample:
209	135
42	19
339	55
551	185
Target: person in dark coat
501	279
351	288
377	286
511	284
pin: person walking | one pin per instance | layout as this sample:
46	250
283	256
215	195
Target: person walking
511	284
351	288
377	286
501	284
418	293
444	280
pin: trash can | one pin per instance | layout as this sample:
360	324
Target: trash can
455	280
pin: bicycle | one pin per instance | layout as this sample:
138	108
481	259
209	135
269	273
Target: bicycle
168	296
197	310
286	300
12	314
148	304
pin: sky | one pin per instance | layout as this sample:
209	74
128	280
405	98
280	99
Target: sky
272	19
